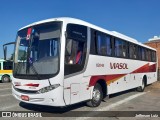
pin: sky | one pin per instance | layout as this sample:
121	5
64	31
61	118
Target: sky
139	19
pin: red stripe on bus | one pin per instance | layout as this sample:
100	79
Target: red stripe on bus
94	80
107	78
153	68
142	69
114	77
146	68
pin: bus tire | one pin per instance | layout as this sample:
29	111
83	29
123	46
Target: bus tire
97	96
5	79
142	87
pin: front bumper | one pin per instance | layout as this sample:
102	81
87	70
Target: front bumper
51	98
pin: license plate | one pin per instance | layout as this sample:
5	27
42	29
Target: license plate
24	97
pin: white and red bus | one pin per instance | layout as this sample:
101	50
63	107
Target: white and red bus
63	61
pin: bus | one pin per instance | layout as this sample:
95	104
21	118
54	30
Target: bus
63	61
5	70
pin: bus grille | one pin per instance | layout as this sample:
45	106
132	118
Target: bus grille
25	91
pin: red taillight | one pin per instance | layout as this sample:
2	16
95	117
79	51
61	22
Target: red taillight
24	97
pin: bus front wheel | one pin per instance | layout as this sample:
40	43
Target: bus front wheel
5	79
97	96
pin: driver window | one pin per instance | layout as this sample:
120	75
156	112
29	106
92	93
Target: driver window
74	52
75	48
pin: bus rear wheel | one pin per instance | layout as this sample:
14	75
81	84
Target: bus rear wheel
142	87
97	96
5	79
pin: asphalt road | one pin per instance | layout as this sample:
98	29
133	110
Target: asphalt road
149	100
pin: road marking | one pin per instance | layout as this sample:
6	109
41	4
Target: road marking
5	95
5	89
112	105
122	101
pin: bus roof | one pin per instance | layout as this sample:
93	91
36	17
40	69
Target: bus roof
81	22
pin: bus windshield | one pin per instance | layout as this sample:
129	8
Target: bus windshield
37	51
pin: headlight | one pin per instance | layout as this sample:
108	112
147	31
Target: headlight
48	88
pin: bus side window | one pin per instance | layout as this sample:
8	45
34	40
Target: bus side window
124	49
153	56
132	51
7	65
149	55
120	48
0	66
139	53
117	48
108	45
103	44
143	54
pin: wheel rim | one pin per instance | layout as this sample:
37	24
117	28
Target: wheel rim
96	95
6	79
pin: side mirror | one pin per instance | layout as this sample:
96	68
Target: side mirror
5	49
5	52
